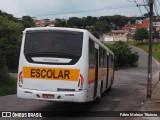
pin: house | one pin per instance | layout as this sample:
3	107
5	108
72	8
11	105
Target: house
131	28
44	23
107	38
116	35
120	35
140	24
157	26
127	32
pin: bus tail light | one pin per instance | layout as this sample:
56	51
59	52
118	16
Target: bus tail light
20	78
81	81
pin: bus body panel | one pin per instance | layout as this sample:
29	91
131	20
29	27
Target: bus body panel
104	73
53	86
57	96
49	84
62	88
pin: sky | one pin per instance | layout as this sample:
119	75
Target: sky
52	9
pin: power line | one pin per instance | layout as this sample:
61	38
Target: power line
130	0
140	10
138	7
156	10
149	75
146	3
158	2
81	11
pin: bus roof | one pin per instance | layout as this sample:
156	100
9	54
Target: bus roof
55	28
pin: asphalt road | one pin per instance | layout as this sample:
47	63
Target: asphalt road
128	93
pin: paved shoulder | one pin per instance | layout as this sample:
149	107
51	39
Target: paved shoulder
143	58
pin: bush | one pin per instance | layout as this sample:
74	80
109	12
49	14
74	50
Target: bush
141	34
8	85
10	42
124	57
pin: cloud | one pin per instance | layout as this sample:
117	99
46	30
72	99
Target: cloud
9	7
30	7
36	7
33	8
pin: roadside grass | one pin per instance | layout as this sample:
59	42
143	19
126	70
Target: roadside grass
8	85
126	67
9	70
144	46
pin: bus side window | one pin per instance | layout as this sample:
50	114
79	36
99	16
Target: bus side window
105	60
110	61
101	57
91	54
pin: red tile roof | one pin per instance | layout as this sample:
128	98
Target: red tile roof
144	24
158	31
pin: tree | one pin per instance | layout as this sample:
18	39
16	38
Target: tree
74	22
92	23
123	54
147	15
155	34
119	20
28	21
8	16
60	22
132	20
141	34
90	20
96	34
101	27
10	40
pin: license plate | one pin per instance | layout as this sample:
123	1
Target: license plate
48	96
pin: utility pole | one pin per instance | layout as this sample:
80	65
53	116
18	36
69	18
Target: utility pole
149	77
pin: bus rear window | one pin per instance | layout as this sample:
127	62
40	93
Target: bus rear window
64	42
54	44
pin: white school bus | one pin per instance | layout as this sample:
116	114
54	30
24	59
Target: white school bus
63	64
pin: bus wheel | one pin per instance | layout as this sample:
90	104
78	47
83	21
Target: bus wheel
110	87
101	89
98	99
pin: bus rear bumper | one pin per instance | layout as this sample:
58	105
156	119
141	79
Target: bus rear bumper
80	96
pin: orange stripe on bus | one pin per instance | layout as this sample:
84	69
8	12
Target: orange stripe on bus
91	81
102	73
51	73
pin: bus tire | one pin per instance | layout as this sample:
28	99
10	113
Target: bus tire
101	88
98	98
110	87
